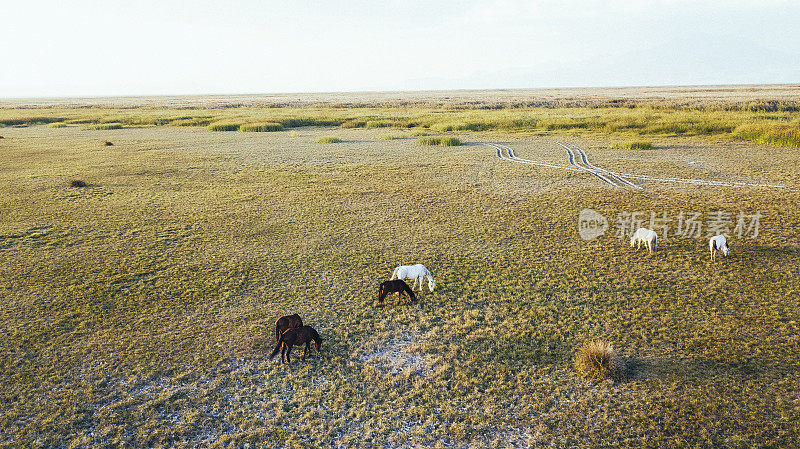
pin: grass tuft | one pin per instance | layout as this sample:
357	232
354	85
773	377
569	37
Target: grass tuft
597	360
220	126
261	127
390	137
637	145
57	125
293	134
329	139
77	183
106	126
440	141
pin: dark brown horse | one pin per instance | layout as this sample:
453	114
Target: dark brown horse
285	323
396	285
297	336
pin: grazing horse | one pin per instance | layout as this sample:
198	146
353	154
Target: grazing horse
297	336
718	243
646	236
285	323
395	285
417	272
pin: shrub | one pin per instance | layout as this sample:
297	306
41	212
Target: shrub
440	141
261	127
106	126
108	144
597	360
77	183
219	126
329	139
57	125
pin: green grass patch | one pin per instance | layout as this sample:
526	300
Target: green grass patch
636	145
57	125
106	126
193	121
29	121
261	127
224	126
390	137
329	139
439	141
775	134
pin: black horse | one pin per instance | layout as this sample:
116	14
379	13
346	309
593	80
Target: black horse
398	286
297	336
285	323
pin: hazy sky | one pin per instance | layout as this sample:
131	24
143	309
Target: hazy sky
95	48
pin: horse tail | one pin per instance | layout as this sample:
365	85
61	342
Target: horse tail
277	348
381	293
655	242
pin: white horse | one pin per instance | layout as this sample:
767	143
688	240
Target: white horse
646	236
718	243
416	272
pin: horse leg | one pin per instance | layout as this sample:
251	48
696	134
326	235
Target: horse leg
288	350
305	351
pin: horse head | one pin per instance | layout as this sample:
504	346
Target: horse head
431	284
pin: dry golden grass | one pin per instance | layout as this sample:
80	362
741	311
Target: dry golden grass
138	312
597	360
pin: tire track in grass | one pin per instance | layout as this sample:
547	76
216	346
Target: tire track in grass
572	161
603	174
611	174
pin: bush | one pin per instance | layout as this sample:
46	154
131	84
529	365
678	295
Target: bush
329	139
261	127
77	183
218	126
440	141
597	360
108	144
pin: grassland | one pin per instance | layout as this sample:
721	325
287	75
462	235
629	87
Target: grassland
137	311
778	127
